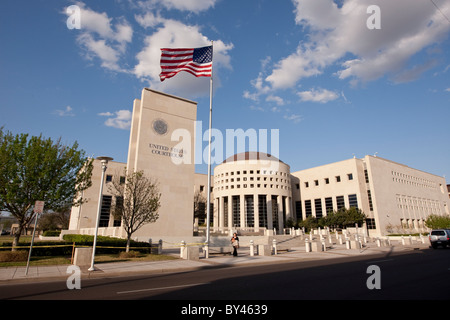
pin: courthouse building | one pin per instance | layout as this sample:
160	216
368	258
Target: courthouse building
253	192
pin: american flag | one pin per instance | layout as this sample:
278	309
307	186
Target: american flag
197	61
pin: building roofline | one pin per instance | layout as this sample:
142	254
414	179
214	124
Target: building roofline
170	95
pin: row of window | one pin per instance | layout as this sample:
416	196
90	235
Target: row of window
325	180
413	180
418	205
320	210
264	172
252	185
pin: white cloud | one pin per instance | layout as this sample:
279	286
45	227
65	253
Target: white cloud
120	119
339	36
320	95
103	39
195	6
278	100
67	112
294	118
448	89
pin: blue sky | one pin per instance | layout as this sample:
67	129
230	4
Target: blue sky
311	68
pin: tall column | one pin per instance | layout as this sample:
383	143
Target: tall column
242	209
256	211
222	213
288	205
217	208
230	213
280	214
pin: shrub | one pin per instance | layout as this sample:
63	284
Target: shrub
437	222
13	256
51	233
130	254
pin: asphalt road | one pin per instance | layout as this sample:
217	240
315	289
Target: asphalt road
419	274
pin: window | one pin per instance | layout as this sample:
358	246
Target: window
369	194
202	188
297	185
236	211
105	211
352	201
318	205
122	180
308	210
338	178
306	184
249	217
327	181
262	204
119	204
316	182
329	204
298	210
275	212
340	202
370	222
108	178
350	176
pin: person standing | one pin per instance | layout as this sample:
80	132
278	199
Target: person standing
235	244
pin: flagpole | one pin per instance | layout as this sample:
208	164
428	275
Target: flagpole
208	203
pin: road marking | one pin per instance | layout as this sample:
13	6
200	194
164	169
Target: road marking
371	262
163	288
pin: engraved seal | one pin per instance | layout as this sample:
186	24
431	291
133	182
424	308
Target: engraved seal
160	126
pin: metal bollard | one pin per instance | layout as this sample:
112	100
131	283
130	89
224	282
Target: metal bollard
160	242
182	249
307	245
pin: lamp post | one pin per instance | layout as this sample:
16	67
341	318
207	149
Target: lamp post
104	161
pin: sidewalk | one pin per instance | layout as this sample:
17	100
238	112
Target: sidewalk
10	275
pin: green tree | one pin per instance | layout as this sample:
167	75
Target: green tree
137	201
435	221
34	168
343	218
309	223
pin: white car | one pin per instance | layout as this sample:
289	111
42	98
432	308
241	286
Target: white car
439	237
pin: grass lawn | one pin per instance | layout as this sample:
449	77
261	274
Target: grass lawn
58	260
100	258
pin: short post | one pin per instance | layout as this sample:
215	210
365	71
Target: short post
378	242
324	245
252	248
160	246
347	244
150	245
206	250
274	245
403	240
182	249
307	245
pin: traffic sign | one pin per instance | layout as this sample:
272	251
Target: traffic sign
39	207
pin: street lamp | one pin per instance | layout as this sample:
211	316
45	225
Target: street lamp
104	161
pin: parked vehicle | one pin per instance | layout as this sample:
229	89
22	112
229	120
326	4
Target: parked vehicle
439	237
